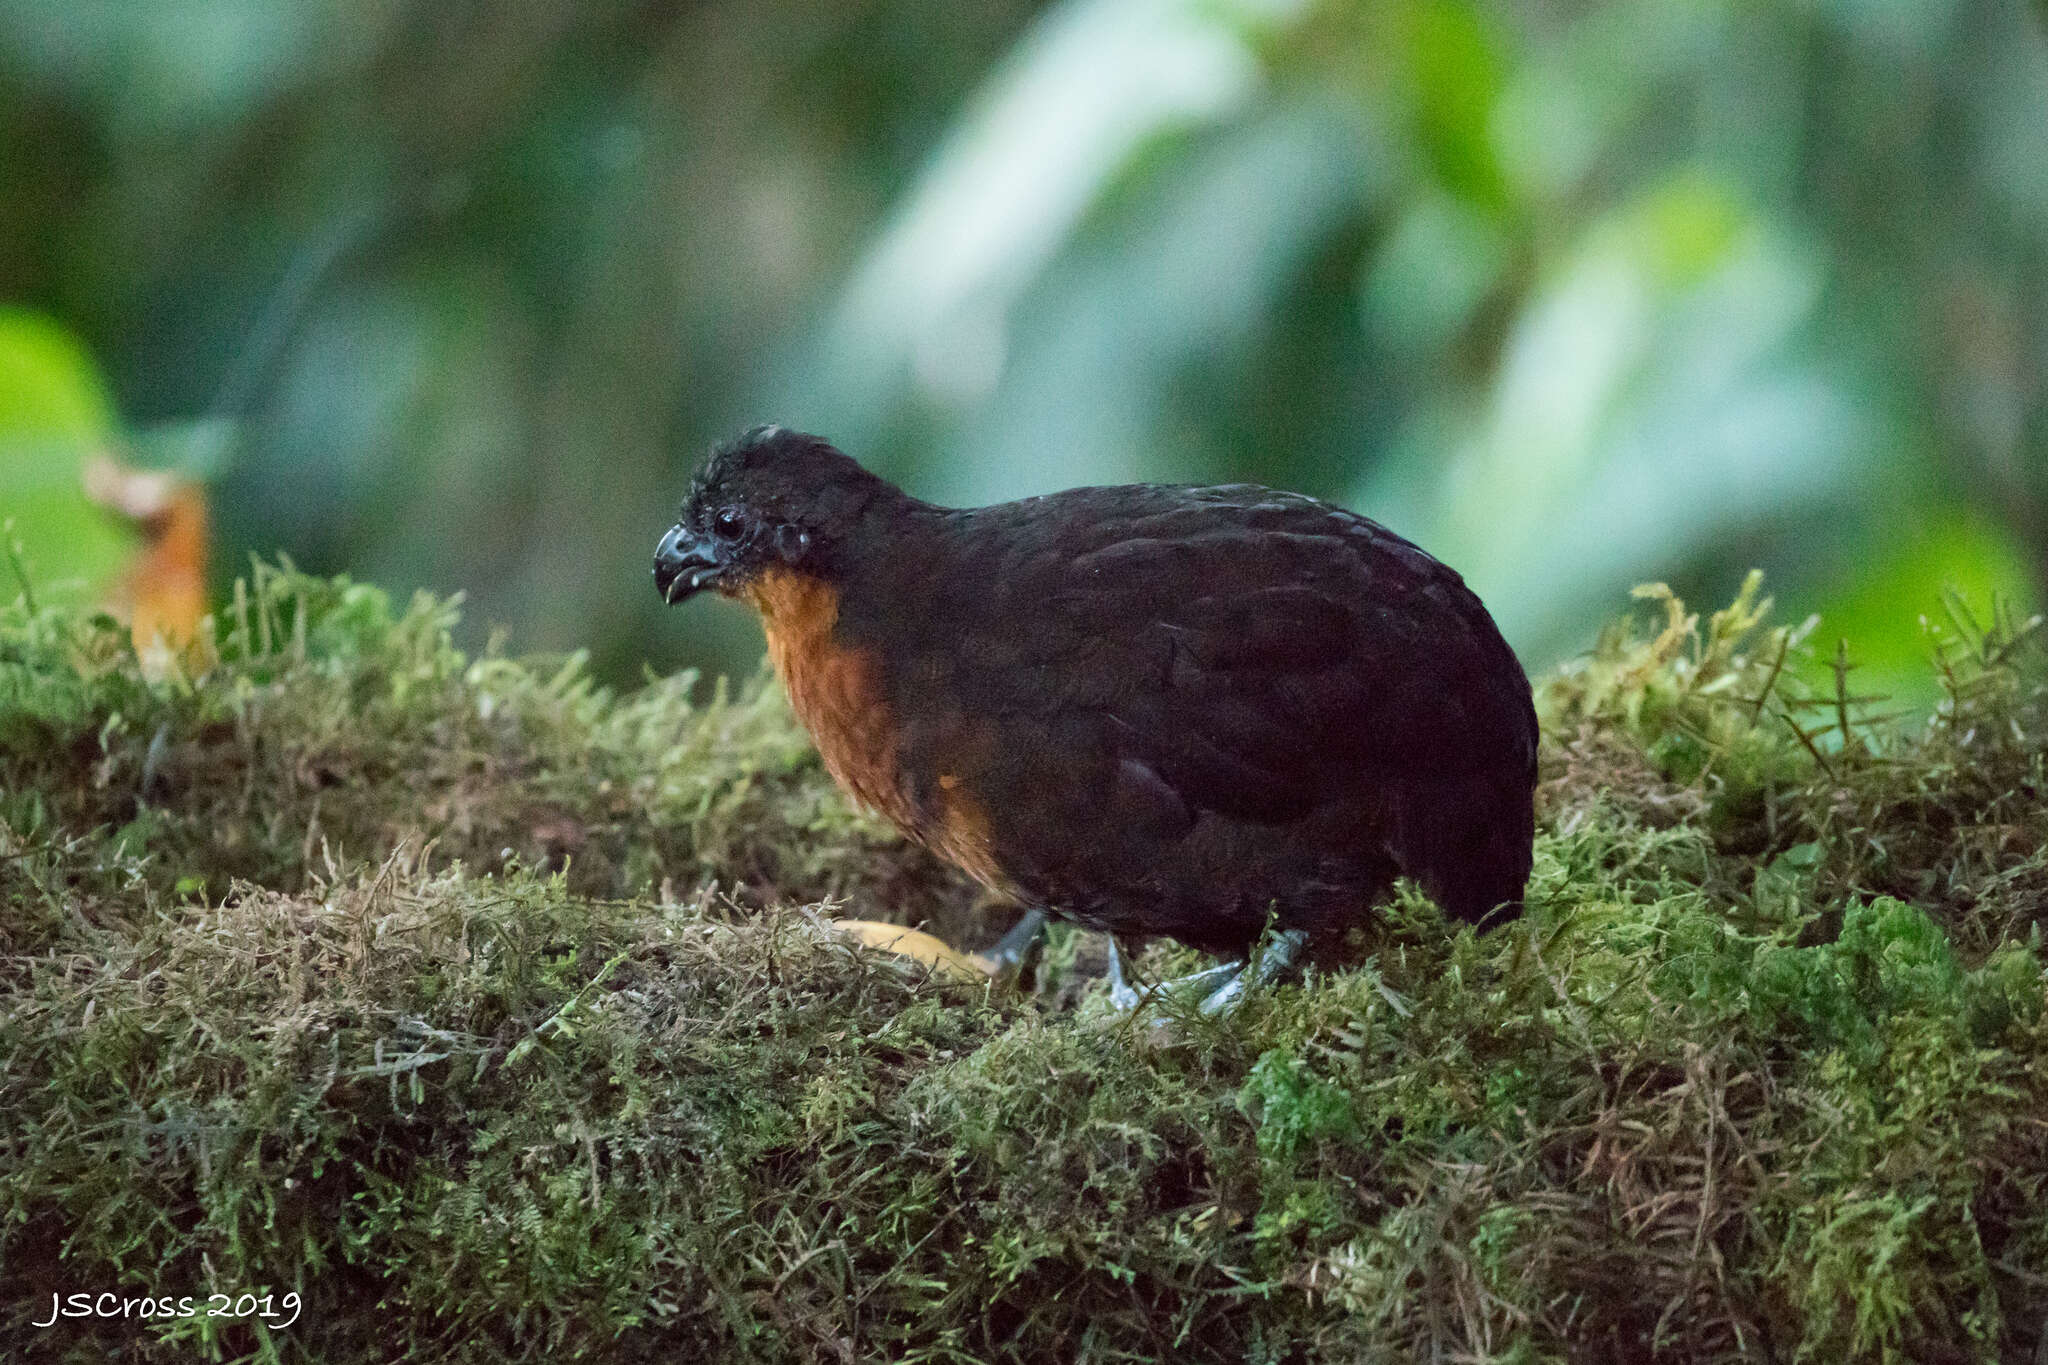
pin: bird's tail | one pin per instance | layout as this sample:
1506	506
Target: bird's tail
1468	842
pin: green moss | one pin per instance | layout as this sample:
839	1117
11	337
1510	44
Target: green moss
328	730
1759	1076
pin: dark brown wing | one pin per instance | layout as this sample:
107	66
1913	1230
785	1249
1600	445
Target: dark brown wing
1136	658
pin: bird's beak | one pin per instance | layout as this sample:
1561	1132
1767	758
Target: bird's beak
683	564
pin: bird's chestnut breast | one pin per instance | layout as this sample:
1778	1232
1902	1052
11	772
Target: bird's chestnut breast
835	687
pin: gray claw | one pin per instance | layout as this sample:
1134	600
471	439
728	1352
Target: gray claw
1225	997
1225	983
1267	963
1123	996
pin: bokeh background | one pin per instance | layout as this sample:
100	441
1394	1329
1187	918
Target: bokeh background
1577	295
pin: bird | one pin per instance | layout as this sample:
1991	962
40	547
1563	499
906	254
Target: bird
1229	715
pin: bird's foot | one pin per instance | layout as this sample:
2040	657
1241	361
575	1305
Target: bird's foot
1007	958
1219	988
1123	996
1200	985
1267	963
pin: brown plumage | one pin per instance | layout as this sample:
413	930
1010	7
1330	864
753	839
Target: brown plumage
1151	709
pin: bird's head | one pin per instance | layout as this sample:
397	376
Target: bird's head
770	498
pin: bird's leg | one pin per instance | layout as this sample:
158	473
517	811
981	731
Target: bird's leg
1267	962
1012	948
1122	994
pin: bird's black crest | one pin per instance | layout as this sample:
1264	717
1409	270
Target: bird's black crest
784	473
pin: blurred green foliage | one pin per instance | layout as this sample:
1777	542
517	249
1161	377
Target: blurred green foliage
1575	295
54	415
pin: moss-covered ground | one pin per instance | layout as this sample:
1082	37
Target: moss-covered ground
493	1016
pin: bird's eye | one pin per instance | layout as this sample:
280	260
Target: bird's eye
728	522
